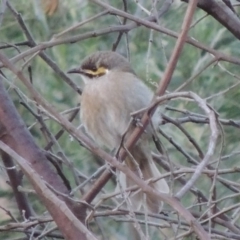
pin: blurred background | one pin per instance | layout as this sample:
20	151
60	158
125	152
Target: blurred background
149	52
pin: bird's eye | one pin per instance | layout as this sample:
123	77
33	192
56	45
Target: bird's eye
94	69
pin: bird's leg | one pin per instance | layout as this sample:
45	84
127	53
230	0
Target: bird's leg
137	118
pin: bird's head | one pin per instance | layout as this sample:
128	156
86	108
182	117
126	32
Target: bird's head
100	64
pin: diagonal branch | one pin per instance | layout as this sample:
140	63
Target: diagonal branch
222	13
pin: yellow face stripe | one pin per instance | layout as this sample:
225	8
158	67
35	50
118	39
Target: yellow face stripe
100	71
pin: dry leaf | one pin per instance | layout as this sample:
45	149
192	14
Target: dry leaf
50	6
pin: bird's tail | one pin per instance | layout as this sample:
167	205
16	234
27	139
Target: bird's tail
147	169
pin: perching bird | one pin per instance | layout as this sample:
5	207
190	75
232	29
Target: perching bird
112	92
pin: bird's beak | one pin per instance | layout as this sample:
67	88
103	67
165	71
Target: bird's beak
75	70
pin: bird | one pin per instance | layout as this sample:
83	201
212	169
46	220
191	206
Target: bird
111	93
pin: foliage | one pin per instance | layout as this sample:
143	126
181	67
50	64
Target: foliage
217	84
